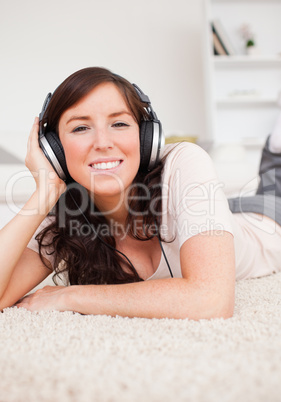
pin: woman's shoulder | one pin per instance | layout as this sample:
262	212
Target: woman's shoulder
186	149
186	155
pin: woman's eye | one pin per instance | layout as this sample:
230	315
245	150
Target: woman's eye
120	124
79	129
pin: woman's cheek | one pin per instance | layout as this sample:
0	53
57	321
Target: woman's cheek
74	158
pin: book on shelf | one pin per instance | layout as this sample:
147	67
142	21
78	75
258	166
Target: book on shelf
222	38
218	48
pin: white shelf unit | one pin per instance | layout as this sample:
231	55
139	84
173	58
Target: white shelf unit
242	90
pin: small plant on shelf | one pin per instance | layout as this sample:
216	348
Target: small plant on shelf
249	38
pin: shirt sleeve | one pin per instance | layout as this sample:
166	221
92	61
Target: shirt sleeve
193	197
33	243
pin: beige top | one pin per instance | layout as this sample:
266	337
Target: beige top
193	202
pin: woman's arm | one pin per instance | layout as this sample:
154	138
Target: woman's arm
205	291
28	273
15	236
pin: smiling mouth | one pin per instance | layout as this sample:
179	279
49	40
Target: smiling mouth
105	165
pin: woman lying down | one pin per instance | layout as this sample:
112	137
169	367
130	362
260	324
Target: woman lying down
136	229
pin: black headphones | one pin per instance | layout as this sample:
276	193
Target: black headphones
151	140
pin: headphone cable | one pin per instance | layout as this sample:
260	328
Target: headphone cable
162	248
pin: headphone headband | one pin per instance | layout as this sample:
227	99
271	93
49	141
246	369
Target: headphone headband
145	99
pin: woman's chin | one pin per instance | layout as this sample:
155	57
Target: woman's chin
102	190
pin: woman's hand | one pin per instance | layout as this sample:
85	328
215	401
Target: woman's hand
46	178
47	299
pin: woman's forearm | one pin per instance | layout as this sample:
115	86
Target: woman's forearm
162	298
15	236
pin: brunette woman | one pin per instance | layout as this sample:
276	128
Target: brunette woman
131	233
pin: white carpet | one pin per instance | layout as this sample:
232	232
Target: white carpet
70	357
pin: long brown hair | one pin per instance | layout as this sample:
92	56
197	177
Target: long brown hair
89	256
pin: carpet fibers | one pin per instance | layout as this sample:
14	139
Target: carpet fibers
65	357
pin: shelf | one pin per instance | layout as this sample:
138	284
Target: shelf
242	90
248	101
244	61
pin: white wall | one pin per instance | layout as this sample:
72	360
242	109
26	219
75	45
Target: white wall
155	43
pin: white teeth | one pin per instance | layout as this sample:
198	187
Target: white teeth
104	165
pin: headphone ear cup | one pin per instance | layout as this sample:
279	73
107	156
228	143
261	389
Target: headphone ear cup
146	139
56	155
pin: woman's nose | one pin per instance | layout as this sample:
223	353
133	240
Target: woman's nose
102	140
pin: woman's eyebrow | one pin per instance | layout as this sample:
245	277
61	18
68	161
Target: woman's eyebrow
78	118
116	114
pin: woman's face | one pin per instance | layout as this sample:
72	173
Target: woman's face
100	137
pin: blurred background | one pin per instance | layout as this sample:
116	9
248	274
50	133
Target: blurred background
163	46
155	43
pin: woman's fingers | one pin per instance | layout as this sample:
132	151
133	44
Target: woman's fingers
33	143
35	158
34	133
47	298
36	161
